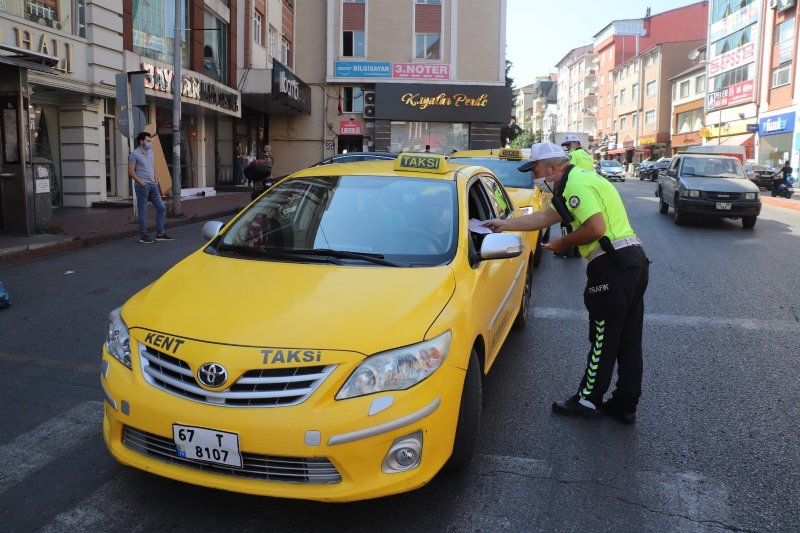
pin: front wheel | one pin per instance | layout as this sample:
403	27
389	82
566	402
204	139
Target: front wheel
524	306
748	222
663	206
469	417
539	252
679	217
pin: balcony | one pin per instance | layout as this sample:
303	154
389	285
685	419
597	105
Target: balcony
589	92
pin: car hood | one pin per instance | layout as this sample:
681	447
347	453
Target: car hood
259	303
719	184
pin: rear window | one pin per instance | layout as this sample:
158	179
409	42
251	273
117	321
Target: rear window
505	170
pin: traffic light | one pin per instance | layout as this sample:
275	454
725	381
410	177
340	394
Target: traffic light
369	104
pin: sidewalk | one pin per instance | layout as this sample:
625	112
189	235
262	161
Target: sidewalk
75	227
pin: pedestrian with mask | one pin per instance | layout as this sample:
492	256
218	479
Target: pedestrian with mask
617	277
142	172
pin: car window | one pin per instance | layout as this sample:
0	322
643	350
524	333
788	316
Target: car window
610	163
505	170
674	163
408	220
712	167
500	202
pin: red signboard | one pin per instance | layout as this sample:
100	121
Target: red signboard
733	59
421	71
349	127
739	93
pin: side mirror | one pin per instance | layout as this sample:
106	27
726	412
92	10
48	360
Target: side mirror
501	246
211	229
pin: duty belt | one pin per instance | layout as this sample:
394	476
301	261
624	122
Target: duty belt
619	243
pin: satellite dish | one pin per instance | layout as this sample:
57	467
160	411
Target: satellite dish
694	54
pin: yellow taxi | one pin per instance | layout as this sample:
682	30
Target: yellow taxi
329	342
503	162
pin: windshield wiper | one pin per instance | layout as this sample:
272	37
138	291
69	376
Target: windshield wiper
378	259
284	253
695	175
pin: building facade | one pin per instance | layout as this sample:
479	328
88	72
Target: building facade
688	100
576	93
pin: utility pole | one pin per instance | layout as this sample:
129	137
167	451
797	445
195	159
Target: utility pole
177	86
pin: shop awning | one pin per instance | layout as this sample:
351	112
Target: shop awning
736	140
618	151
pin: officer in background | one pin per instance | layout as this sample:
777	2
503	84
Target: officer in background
617	277
577	155
579	158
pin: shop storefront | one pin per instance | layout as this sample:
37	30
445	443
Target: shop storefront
409	117
682	141
654	147
776	139
208	111
70	111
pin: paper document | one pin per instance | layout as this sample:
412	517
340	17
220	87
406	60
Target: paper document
476	227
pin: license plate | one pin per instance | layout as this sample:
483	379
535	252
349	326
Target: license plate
207	445
724	205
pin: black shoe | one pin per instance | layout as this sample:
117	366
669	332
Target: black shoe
576	406
145	238
164	237
613	409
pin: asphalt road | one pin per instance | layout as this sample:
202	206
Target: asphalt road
715	447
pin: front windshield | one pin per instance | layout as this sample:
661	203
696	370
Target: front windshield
411	221
708	167
505	170
610	163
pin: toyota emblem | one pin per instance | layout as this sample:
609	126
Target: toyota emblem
212	375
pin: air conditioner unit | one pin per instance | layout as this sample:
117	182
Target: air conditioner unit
773	4
369	104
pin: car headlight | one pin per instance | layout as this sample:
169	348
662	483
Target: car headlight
526	210
688	193
397	369
751	196
118	341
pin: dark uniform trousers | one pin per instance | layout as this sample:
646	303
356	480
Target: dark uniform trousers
614	297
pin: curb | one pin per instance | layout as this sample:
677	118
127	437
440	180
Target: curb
786	203
69	246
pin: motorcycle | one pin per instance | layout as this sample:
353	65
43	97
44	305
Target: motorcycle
782	186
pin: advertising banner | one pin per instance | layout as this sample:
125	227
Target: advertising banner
442	103
363	69
733	59
783	123
735	22
421	71
736	94
349	127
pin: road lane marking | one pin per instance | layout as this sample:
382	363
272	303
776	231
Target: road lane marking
558	313
45	443
93	368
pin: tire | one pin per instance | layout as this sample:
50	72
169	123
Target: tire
622	180
469	417
546	237
524	306
663	207
680	218
538	253
749	222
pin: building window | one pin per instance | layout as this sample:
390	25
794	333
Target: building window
601	102
623	123
615	125
650	117
65	15
354	1
684	89
616	100
353	43
622	96
635	92
689	121
352	100
151	35
725	8
285	51
257	28
608	122
700	84
784	39
215	48
651	88
635	121
781	75
431	2
272	41
733	41
732	77
428	46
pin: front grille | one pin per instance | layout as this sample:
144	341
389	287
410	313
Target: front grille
309	470
722	196
272	387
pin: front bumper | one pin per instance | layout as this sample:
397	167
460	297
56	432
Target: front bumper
339	443
708	208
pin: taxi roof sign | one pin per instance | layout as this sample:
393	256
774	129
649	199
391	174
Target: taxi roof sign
415	162
510	153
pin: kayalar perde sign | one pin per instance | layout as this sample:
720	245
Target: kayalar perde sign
442	103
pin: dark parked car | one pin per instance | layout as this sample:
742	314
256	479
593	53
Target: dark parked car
643	168
708	186
761	175
657	168
610	169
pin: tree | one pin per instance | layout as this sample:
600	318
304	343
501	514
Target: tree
509	80
524	139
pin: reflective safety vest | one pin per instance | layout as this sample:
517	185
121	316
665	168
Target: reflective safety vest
581	159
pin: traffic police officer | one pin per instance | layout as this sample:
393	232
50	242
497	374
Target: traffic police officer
617	279
577	155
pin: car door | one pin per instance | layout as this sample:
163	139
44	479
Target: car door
499	282
668	181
